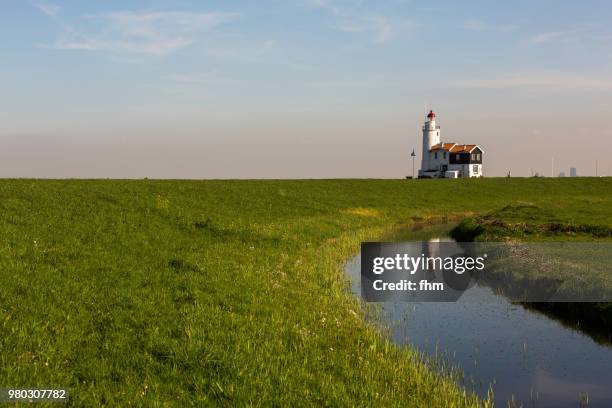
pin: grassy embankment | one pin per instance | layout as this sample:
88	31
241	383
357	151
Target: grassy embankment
584	268
224	292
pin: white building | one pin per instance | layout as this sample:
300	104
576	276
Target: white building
447	160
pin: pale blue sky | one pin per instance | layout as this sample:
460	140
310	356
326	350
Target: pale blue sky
299	88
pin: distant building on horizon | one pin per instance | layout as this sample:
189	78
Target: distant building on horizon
447	160
573	172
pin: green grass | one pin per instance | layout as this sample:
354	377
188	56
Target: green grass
530	222
165	293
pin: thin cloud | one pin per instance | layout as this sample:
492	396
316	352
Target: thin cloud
190	78
50	10
479	25
350	18
548	37
379	27
553	81
349	28
475	25
324	4
156	33
201	78
382	27
582	30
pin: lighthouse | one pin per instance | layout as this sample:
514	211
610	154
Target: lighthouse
447	160
431	137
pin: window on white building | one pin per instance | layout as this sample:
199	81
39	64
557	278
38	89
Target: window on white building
475	168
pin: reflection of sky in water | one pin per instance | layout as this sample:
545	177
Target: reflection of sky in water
527	354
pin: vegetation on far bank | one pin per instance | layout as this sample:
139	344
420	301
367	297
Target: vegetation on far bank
225	292
528	221
565	271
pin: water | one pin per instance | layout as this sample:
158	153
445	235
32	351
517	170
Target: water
523	355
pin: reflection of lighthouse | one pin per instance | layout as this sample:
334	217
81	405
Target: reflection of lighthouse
431	137
432	247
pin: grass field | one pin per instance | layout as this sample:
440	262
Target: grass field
165	293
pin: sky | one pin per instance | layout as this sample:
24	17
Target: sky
300	88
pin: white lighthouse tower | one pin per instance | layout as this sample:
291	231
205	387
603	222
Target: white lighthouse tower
431	137
448	160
